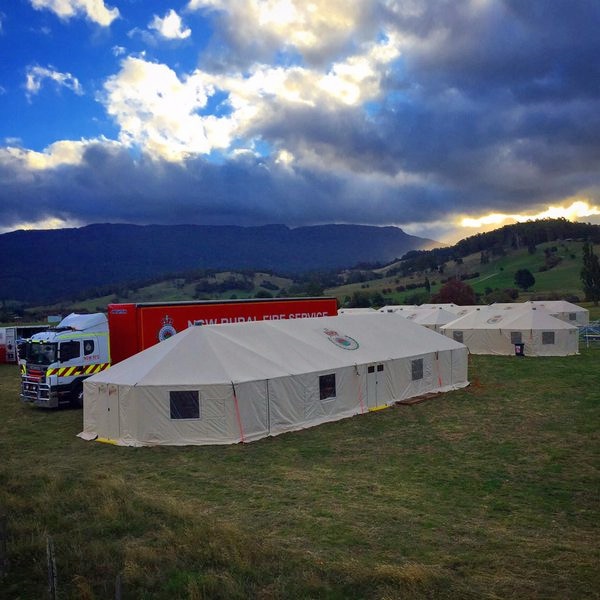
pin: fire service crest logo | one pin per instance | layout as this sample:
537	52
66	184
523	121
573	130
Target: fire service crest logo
341	340
167	330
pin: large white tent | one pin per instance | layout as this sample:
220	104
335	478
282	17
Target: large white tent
497	329
245	381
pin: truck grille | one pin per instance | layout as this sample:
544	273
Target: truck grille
34	386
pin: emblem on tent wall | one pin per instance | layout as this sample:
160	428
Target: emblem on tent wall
340	340
167	330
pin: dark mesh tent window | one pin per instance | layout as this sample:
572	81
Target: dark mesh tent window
327	386
572	317
185	405
458	336
547	337
417	369
515	337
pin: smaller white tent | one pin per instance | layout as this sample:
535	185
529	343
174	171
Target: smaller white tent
355	311
461	311
390	308
433	318
241	382
561	309
445	305
496	330
565	311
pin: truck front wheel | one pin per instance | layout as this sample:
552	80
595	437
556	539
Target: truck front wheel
77	395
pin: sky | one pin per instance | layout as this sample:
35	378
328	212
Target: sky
442	117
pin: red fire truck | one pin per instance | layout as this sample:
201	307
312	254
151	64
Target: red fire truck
135	327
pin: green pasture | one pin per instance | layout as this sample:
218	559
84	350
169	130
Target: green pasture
488	492
562	280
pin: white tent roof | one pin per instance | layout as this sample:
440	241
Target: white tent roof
461	311
267	349
559	306
552	306
503	317
455	308
433	316
447	305
536	318
355	311
395	307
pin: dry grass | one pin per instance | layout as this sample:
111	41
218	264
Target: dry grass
489	492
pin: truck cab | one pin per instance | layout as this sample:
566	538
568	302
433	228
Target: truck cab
55	362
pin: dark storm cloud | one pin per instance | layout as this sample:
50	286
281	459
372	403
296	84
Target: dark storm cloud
110	186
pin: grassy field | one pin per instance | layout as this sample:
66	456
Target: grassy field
488	492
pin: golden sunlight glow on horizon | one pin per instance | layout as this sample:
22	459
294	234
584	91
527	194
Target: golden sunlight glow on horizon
577	209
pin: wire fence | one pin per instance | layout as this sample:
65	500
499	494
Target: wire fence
590	334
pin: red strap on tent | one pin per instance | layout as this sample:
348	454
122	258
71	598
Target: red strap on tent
360	394
237	412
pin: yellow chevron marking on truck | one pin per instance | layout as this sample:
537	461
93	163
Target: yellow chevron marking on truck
78	370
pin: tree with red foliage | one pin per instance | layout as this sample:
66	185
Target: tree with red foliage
455	291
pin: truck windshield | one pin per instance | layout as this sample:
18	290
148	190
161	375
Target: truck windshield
40	354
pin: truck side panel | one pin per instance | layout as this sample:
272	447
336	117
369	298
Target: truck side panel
154	322
123	328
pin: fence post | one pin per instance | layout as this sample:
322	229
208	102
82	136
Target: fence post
3	546
52	574
118	587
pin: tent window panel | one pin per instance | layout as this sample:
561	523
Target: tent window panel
458	336
185	405
371	369
572	317
327	386
515	337
547	337
417	369
379	368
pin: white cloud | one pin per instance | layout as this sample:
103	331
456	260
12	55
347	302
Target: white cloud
36	75
170	26
311	27
65	152
94	10
158	112
358	78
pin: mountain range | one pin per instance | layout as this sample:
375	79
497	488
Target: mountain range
42	266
